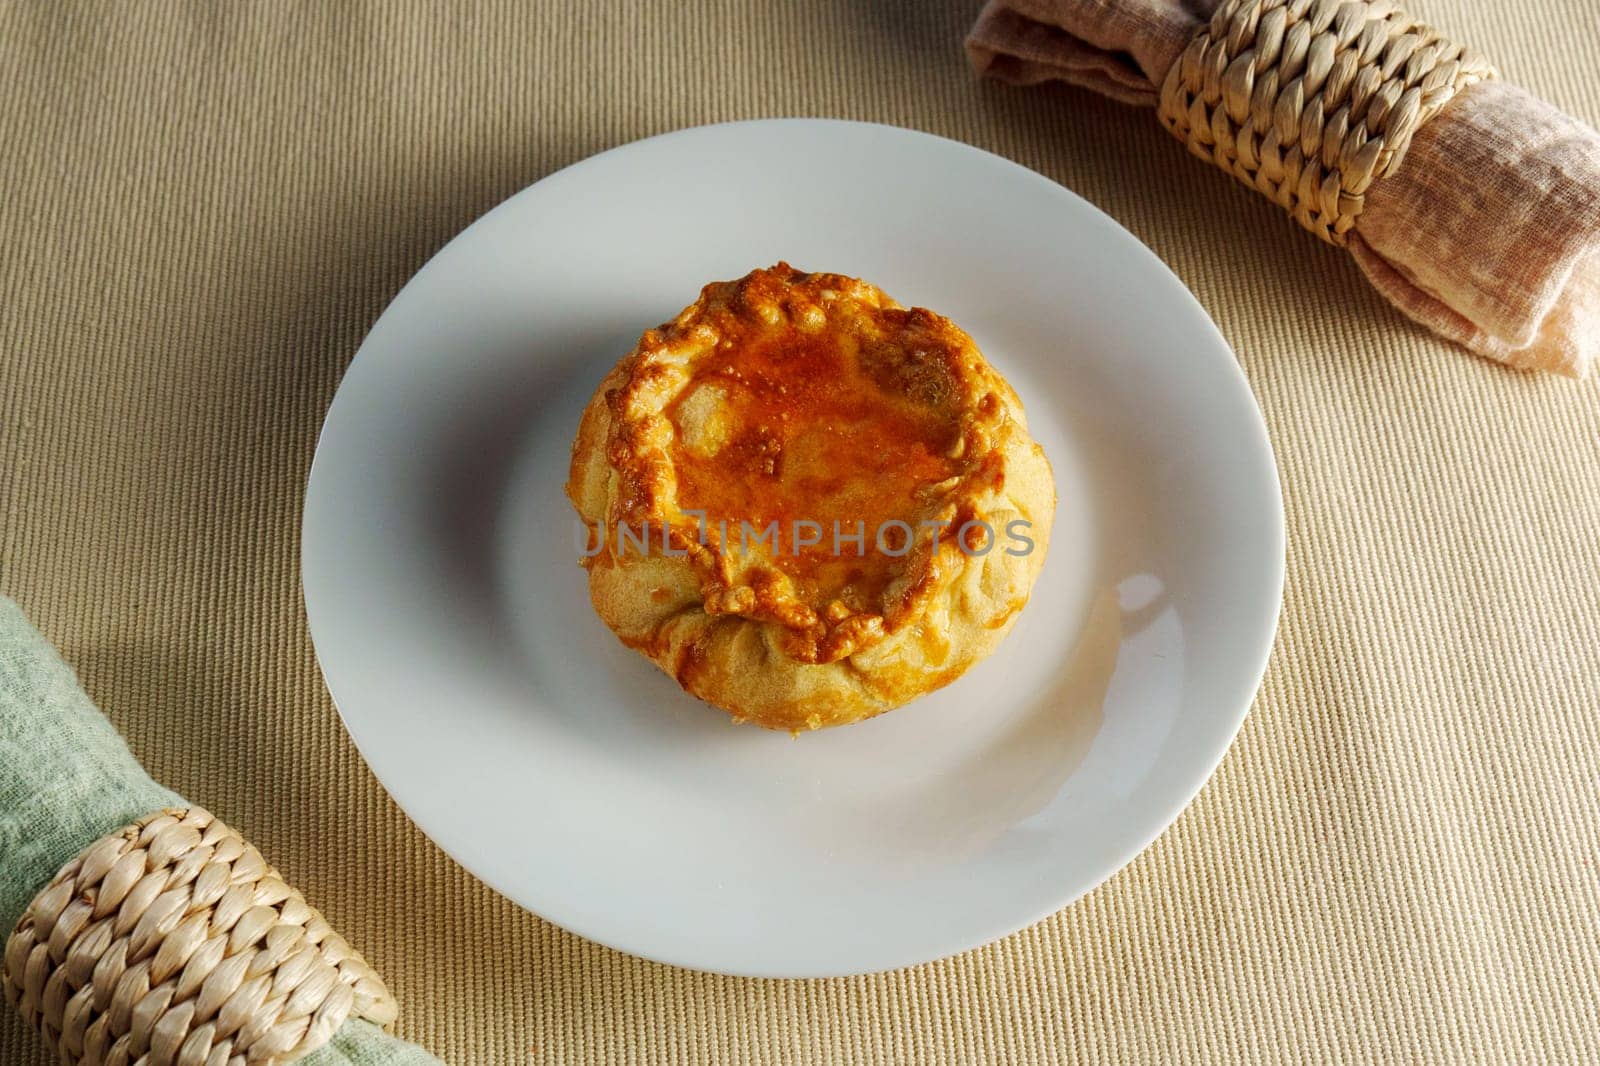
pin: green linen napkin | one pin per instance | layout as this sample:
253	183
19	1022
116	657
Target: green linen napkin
67	779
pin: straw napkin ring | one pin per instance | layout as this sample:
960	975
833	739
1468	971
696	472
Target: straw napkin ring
171	941
1311	101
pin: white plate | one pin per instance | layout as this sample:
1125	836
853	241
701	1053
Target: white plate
452	623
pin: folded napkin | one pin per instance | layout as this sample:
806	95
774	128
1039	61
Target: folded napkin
67	780
1483	226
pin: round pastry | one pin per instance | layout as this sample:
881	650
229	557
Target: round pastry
806	503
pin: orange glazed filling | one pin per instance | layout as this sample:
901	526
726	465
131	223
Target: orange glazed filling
825	426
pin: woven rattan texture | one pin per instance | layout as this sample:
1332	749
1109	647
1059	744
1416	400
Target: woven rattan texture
1311	101
172	939
206	206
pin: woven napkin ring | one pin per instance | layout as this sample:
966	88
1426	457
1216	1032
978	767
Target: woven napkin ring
171	942
1311	101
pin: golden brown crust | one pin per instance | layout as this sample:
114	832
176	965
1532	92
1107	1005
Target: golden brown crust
784	398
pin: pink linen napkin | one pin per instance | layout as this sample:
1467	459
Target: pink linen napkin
1488	231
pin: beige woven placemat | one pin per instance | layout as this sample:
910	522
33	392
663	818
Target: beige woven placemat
202	209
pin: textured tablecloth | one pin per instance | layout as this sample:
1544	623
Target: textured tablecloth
202	209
